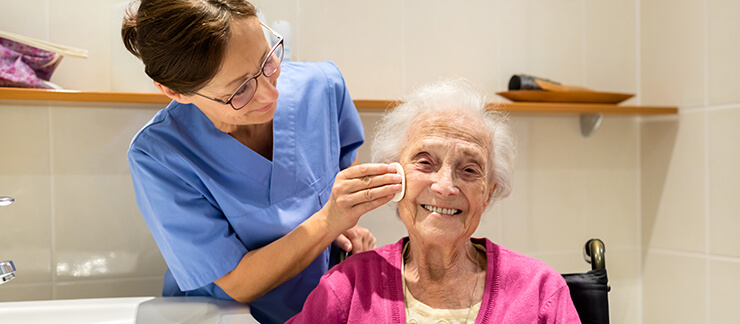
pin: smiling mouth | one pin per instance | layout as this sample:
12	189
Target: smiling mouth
443	211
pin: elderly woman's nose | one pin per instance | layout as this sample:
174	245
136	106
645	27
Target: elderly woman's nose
444	183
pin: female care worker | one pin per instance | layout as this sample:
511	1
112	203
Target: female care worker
242	189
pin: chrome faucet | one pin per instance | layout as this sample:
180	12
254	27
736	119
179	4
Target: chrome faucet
7	271
7	268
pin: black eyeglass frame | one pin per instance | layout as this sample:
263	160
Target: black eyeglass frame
261	72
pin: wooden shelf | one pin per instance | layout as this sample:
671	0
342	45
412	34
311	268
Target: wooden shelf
82	96
366	105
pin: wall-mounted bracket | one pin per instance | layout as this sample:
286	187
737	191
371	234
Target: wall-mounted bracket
590	123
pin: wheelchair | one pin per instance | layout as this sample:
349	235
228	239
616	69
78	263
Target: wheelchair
590	290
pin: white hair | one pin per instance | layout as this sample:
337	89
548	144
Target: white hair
452	95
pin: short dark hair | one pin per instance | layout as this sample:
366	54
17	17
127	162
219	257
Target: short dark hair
182	42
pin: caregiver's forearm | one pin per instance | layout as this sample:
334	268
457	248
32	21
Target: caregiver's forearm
264	269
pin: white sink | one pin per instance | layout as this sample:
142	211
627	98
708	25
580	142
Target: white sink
126	310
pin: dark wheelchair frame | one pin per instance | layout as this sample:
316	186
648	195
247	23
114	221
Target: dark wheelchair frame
589	291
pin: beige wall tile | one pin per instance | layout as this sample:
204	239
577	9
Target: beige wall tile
570	261
126	70
368	52
516	208
13	291
724	291
369	121
443	40
27	18
623	301
724	206
569	188
609	182
85	24
515	216
285	11
672	52
490	225
672	163
539	216
25	236
91	140
93	194
673	289
136	287
99	230
541	38
557	223
25	144
723	50
278	10
610	38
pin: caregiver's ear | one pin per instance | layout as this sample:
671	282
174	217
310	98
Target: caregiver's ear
171	93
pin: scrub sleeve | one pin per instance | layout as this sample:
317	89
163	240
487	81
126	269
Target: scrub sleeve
208	200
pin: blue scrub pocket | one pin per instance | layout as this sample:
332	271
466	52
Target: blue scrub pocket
325	194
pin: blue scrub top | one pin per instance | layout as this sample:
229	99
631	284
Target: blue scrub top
208	199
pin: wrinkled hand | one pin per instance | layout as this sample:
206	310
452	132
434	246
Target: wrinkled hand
358	190
357	239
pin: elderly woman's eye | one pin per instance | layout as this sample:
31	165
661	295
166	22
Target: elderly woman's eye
471	171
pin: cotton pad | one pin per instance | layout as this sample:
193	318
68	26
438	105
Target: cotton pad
399	170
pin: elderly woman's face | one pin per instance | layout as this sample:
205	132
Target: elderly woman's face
448	180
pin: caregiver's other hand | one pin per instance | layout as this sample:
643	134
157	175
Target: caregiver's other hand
357	239
358	190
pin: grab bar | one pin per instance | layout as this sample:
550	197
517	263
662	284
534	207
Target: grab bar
593	253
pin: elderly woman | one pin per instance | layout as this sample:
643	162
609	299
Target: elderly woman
457	159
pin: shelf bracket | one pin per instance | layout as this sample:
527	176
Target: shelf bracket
590	123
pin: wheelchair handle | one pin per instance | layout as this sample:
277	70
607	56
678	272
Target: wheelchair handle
593	253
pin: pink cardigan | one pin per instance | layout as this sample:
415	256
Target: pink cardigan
367	288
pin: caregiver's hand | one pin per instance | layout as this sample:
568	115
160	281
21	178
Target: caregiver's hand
357	239
358	190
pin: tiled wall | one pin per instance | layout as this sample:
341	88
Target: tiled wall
658	191
690	208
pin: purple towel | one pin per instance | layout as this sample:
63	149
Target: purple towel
25	66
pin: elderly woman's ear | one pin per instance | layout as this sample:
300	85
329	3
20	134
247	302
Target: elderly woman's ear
490	193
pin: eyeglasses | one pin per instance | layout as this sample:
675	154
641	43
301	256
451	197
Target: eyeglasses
246	90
